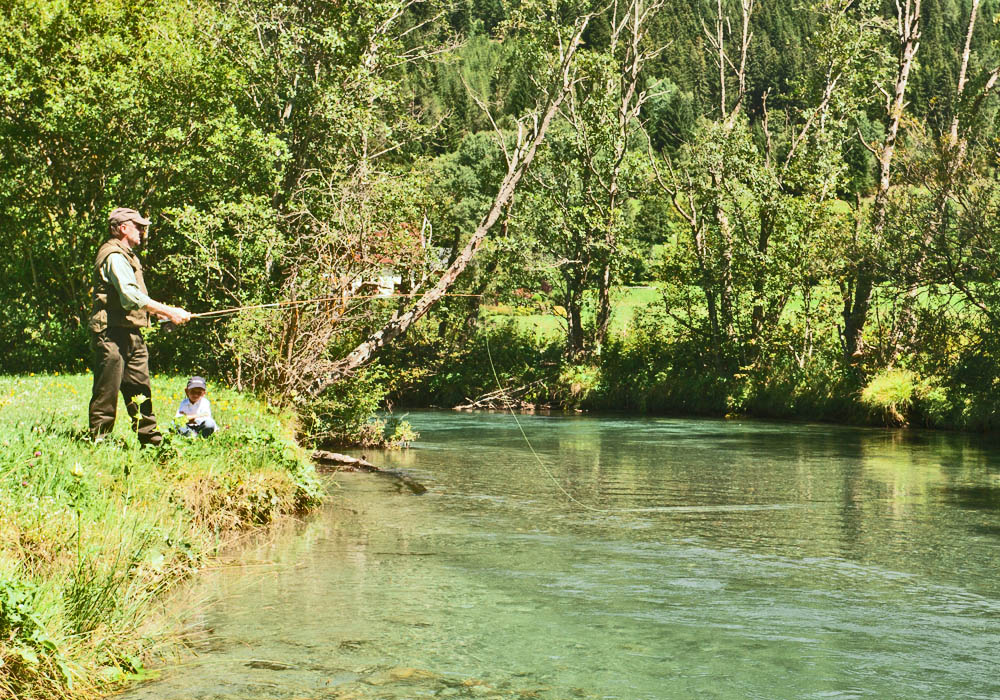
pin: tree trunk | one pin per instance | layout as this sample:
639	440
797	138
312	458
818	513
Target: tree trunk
603	305
952	160
857	302
631	100
399	323
726	265
574	329
760	273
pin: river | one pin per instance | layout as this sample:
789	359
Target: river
610	557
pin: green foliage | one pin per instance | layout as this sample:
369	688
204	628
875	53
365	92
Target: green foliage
970	389
671	116
652	370
576	383
466	88
471	366
25	635
346	413
400	433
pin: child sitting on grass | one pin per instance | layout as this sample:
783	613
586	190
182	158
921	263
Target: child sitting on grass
197	409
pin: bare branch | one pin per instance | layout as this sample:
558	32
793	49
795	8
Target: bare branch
486	110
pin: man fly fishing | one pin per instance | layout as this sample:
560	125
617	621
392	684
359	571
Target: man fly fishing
121	308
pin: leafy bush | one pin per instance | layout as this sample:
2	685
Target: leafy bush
472	366
346	414
27	643
576	383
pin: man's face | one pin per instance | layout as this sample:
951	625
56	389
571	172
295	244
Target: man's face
133	233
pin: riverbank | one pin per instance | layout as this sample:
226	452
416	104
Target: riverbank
92	536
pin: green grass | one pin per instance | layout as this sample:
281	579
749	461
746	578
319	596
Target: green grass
92	536
550	323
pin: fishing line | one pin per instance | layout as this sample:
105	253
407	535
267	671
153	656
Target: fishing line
656	509
507	403
298	302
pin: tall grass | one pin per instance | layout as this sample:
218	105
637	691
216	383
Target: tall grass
91	536
892	393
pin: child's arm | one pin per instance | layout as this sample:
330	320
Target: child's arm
190	413
202	409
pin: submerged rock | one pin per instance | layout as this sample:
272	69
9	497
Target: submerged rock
402	674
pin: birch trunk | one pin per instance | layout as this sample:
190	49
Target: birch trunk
952	160
857	301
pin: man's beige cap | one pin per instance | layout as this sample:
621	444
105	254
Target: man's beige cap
123	214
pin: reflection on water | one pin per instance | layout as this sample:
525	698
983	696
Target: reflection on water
691	558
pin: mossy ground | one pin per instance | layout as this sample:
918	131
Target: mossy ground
92	536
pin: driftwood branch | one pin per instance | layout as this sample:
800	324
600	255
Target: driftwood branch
339	462
502	398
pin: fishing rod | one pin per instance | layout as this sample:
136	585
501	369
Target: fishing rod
169	326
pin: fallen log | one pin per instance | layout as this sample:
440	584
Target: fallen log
339	462
330	458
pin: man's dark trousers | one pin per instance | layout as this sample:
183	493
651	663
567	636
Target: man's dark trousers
121	363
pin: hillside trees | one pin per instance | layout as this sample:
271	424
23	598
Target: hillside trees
909	219
579	212
563	218
607	126
941	169
758	210
859	283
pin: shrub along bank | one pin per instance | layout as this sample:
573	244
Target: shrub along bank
651	372
92	535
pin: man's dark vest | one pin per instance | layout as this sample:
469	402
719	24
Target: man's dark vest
107	309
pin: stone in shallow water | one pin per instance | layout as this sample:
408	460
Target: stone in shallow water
269	665
401	674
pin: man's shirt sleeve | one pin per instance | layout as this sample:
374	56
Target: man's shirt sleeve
119	273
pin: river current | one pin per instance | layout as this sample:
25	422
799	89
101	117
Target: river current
609	557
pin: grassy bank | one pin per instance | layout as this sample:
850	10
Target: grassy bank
91	536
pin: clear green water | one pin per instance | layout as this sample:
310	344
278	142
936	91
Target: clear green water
730	560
